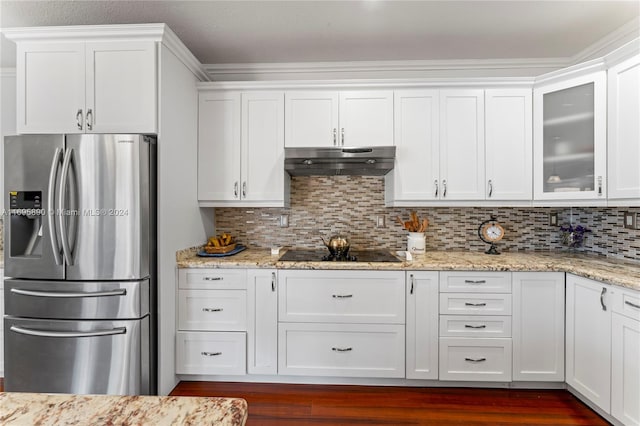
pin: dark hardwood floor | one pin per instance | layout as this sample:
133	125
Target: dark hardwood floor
279	404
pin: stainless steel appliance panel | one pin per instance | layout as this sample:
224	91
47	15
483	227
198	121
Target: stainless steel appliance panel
82	357
76	300
108	239
32	165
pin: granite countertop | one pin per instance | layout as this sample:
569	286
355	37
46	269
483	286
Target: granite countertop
612	271
61	409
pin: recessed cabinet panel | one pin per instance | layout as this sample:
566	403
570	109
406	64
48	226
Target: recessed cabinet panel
366	118
570	139
624	130
311	118
422	325
625	369
121	87
50	87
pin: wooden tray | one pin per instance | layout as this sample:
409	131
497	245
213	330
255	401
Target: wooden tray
219	250
238	249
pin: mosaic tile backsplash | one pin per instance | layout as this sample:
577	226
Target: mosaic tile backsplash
323	206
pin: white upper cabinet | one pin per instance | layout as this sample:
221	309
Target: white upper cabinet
366	118
218	145
462	145
417	167
241	149
570	139
311	118
87	87
508	150
328	118
624	131
262	147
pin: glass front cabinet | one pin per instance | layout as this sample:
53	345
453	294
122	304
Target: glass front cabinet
570	139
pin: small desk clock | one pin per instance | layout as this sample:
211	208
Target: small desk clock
490	231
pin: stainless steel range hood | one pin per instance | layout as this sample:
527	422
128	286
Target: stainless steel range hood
366	161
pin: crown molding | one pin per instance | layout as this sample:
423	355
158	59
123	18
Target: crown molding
623	53
177	47
573	71
399	83
609	43
150	32
302	68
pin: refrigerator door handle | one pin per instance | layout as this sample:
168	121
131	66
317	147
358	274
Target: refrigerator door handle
62	193
46	333
51	213
67	294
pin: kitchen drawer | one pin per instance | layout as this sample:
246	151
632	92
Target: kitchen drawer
203	279
472	359
475	326
342	296
626	302
211	353
475	282
341	350
212	310
475	304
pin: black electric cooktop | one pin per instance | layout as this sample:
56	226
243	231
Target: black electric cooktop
353	256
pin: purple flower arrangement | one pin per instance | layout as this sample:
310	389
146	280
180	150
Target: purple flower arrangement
573	237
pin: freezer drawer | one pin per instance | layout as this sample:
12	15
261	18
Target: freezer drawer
76	300
81	357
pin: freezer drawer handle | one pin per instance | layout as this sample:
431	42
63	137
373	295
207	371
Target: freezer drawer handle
211	309
44	333
210	353
65	294
475	360
475	281
474	304
475	326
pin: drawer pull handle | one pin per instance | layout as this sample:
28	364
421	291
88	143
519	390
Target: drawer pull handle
632	304
475	326
213	278
210	353
342	296
475	360
341	349
211	309
474	304
475	281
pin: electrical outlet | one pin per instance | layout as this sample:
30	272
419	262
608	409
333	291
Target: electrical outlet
630	220
284	221
553	219
380	222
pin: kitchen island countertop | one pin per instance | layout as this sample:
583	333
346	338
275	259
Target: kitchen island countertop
61	409
608	270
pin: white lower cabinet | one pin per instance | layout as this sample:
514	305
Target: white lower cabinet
475	359
625	357
262	327
588	342
345	350
211	353
422	325
212	321
538	326
475	326
341	323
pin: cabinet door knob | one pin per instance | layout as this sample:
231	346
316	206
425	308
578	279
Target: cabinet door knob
79	120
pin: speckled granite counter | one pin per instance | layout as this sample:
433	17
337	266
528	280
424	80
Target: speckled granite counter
616	272
59	409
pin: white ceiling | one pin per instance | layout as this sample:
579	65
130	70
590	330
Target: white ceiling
319	31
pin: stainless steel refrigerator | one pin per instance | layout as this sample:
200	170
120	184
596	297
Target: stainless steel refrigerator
79	264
